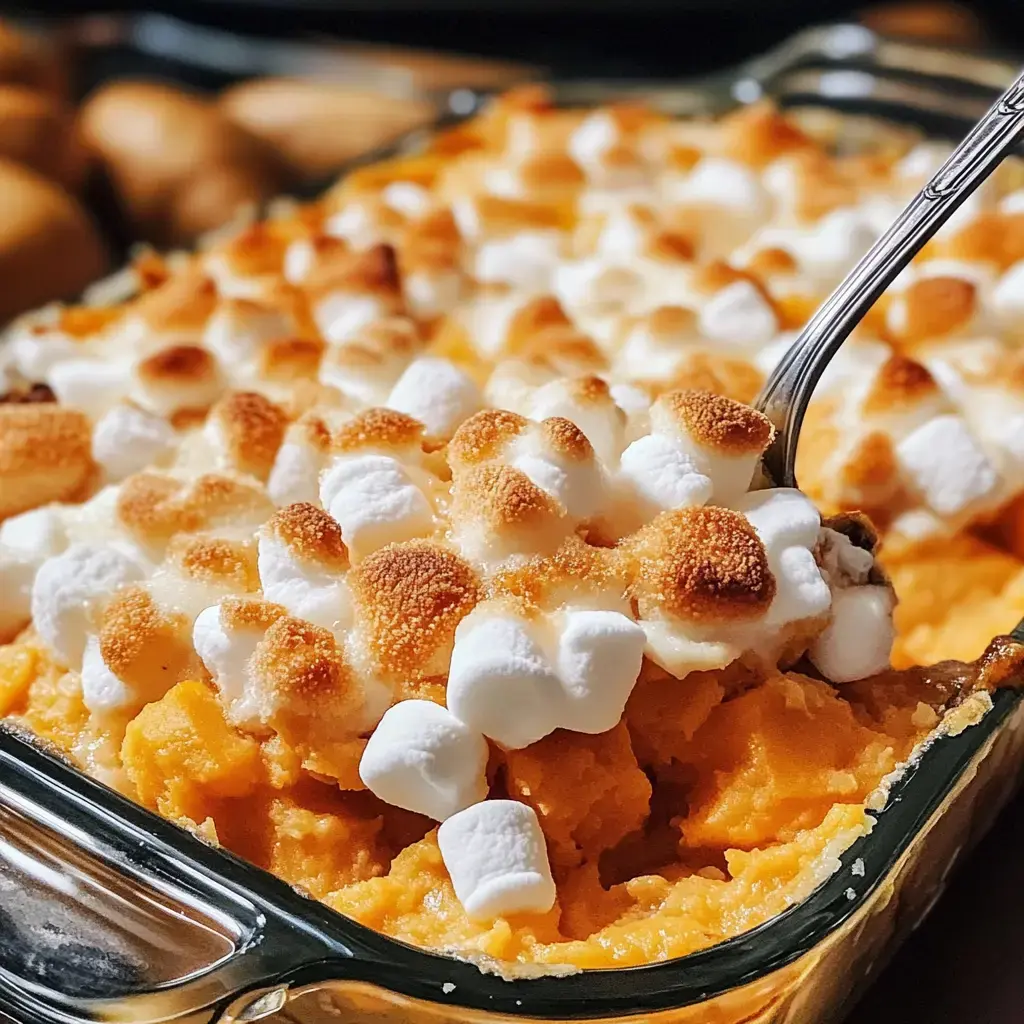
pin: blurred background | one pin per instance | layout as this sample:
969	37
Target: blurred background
124	125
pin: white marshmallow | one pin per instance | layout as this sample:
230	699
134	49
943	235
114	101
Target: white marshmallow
599	658
437	393
800	589
661	475
496	856
227	655
127	440
1008	296
69	587
858	641
723	184
375	502
26	541
596	287
406	197
90	386
305	590
525	260
576	483
423	759
602	424
299	260
34	355
831	248
236	335
354	224
431	293
500	681
341	315
739	315
944	463
843	563
102	691
589	143
295	475
782	517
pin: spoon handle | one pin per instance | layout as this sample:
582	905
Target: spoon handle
788	391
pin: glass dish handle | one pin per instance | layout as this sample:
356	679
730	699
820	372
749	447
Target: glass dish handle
108	912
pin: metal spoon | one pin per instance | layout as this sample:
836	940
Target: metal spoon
788	391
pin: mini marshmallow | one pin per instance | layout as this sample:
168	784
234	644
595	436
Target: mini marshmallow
227	655
26	541
500	681
600	421
69	587
724	184
739	315
89	385
296	475
576	482
832	246
525	260
303	588
843	562
589	143
407	198
497	858
1008	296
102	691
341	315
431	293
660	474
238	330
375	501
858	641
599	658
437	393
127	440
944	463
35	354
782	516
801	591
355	225
423	759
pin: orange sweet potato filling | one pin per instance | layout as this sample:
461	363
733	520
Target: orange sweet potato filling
719	801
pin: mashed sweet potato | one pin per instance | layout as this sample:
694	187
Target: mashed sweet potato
719	801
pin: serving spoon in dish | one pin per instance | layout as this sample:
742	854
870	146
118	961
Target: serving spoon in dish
785	396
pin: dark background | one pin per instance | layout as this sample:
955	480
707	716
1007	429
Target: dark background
966	964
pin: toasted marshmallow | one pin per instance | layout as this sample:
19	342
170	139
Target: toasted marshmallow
128	440
660	475
526	260
244	431
560	461
437	393
68	590
90	385
34	350
739	315
496	660
858	641
599	657
26	541
375	501
367	366
801	591
302	560
182	377
1007	298
102	691
943	462
432	292
241	327
586	401
295	476
423	759
225	637
496	856
341	315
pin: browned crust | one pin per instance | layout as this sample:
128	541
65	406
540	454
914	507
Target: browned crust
253	429
704	565
411	597
483	435
565	438
719	423
217	560
311	534
378	428
900	382
936	306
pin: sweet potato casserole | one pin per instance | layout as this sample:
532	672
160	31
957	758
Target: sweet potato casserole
409	543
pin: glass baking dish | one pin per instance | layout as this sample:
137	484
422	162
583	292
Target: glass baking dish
109	913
